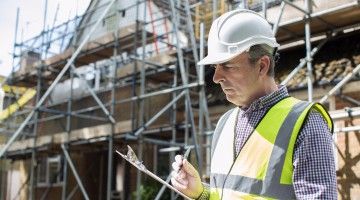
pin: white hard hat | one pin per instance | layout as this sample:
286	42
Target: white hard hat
235	32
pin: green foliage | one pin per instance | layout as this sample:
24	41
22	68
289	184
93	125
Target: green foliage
149	190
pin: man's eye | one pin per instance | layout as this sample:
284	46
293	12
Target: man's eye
229	66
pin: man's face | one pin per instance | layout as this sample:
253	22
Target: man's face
239	80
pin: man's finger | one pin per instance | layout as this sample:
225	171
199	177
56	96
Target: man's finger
178	185
179	177
179	159
175	166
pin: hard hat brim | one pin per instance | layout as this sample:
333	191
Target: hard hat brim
218	58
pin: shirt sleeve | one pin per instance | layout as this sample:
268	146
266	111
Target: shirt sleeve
314	163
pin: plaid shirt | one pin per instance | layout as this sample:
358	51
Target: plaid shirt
314	174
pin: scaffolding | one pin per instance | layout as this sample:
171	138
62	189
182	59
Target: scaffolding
150	77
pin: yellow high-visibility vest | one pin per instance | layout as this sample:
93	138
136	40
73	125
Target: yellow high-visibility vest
263	169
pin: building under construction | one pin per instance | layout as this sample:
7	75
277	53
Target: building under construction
125	73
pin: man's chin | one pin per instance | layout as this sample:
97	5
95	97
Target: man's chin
231	99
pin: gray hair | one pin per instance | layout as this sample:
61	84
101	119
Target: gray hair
260	50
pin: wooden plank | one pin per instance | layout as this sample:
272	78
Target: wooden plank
161	59
76	135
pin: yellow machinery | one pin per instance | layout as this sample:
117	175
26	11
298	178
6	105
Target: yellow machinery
26	95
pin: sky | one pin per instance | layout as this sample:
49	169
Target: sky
31	22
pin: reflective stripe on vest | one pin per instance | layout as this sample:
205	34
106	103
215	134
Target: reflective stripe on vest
263	169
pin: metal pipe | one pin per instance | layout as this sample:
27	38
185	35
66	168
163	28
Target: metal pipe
142	71
68	130
341	84
201	91
133	81
302	63
350	99
112	111
43	30
165	91
203	105
185	82
45	119
146	61
245	4
306	11
157	115
72	192
190	27
152	141
308	51
214	8
202	48
204	109
61	74
173	122
33	164
15	39
142	105
345	114
276	25
264	9
186	117
347	129
73	169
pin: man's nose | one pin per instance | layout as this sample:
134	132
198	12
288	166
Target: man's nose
218	75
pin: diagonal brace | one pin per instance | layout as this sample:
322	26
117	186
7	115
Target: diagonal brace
157	115
93	94
67	156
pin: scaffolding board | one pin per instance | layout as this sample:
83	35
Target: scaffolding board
94	50
328	15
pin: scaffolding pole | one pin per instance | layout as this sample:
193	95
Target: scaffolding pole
185	82
68	131
276	25
302	63
308	51
346	79
73	169
158	114
112	111
15	39
52	86
141	101
33	165
200	74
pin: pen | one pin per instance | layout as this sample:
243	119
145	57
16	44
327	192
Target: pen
185	156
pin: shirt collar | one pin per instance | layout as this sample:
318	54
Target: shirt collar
267	100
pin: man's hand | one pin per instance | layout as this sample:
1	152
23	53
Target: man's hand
185	178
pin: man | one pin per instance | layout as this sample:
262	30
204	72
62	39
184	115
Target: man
271	146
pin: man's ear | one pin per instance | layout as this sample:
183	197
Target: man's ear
264	63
